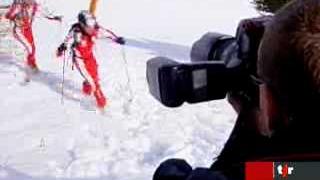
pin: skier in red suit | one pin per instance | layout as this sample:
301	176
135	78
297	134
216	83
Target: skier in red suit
83	35
22	13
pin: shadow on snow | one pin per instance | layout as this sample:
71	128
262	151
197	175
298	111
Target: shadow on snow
49	79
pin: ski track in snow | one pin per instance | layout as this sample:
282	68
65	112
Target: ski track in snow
45	139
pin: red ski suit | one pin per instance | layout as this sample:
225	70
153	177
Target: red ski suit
22	15
84	59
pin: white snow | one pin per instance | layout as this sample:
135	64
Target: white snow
41	138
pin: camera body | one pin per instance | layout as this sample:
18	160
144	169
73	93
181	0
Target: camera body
220	64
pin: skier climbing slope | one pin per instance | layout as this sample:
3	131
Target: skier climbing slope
22	13
83	35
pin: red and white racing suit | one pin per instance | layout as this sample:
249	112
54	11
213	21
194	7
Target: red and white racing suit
22	16
84	59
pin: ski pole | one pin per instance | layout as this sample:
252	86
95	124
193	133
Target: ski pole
63	72
123	53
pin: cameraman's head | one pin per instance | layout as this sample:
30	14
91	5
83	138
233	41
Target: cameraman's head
289	66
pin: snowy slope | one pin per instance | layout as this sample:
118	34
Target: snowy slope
41	138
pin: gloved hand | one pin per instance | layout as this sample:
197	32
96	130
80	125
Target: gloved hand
9	17
120	40
61	49
172	169
54	18
57	18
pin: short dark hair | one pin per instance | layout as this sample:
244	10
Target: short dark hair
289	54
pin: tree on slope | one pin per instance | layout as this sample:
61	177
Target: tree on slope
269	5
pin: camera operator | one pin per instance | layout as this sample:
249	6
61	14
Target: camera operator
248	136
277	120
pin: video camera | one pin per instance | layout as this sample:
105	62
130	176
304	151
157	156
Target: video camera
220	64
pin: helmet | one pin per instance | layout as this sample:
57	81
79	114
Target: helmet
87	19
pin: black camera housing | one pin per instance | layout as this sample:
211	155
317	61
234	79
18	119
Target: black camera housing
172	83
214	47
220	64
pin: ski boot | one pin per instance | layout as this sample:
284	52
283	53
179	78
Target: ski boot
31	69
86	88
100	99
31	64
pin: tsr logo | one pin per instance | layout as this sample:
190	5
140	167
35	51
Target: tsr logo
285	170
